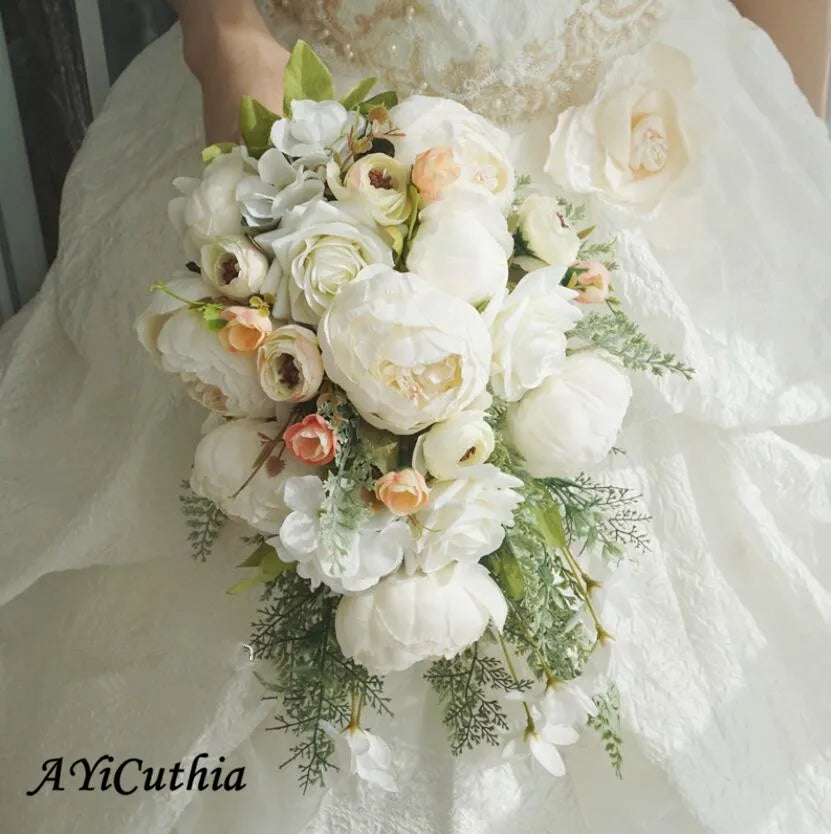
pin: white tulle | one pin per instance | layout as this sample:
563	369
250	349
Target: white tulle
113	641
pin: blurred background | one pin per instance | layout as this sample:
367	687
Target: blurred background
58	59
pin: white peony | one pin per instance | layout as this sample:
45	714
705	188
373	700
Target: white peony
162	306
405	619
278	187
377	184
480	150
208	207
314	127
234	266
572	420
528	333
225	459
223	381
321	250
458	443
364	755
462	247
546	232
632	141
374	550
466	517
406	355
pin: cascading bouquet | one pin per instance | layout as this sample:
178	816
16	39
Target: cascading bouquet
411	355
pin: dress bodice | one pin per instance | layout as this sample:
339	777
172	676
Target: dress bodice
507	60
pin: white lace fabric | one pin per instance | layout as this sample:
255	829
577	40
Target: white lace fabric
113	641
507	60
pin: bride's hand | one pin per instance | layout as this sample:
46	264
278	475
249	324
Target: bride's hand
230	50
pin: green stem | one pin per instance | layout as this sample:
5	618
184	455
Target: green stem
510	664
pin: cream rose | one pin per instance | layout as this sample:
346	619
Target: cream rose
633	140
289	364
462	248
234	266
528	333
405	619
572	420
208	207
546	232
479	149
406	354
450	447
318	253
376	183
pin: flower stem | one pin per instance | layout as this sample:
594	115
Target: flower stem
510	664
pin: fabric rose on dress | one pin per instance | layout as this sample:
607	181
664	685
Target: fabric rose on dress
322	250
462	248
434	171
402	493
311	441
591	280
450	447
246	330
479	149
313	129
529	332
572	420
224	461
162	306
405	354
631	142
289	364
405	619
235	266
223	381
546	232
208	207
359	558
364	755
278	187
376	183
466	517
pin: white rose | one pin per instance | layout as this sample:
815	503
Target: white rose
528	333
479	149
374	550
572	420
290	365
450	447
631	142
278	187
217	378
466	518
377	183
406	355
235	266
404	619
462	247
320	251
224	461
162	306
314	127
208	207
546	232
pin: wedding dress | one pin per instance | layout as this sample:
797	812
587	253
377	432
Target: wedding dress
115	642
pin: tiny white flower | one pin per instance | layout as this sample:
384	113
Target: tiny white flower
569	702
314	127
541	741
369	757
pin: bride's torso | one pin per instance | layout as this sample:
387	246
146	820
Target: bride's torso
509	61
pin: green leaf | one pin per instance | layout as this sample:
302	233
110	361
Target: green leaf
395	238
255	121
507	572
550	524
357	94
381	447
272	565
210	153
388	98
268	567
256	558
306	77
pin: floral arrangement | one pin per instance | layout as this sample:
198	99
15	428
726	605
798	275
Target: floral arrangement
410	354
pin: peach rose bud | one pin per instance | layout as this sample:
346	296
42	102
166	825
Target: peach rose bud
433	171
404	492
246	329
591	280
311	441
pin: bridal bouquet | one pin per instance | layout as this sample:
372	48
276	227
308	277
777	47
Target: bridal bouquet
410	354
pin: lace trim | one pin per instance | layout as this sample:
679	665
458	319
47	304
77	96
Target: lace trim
424	47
